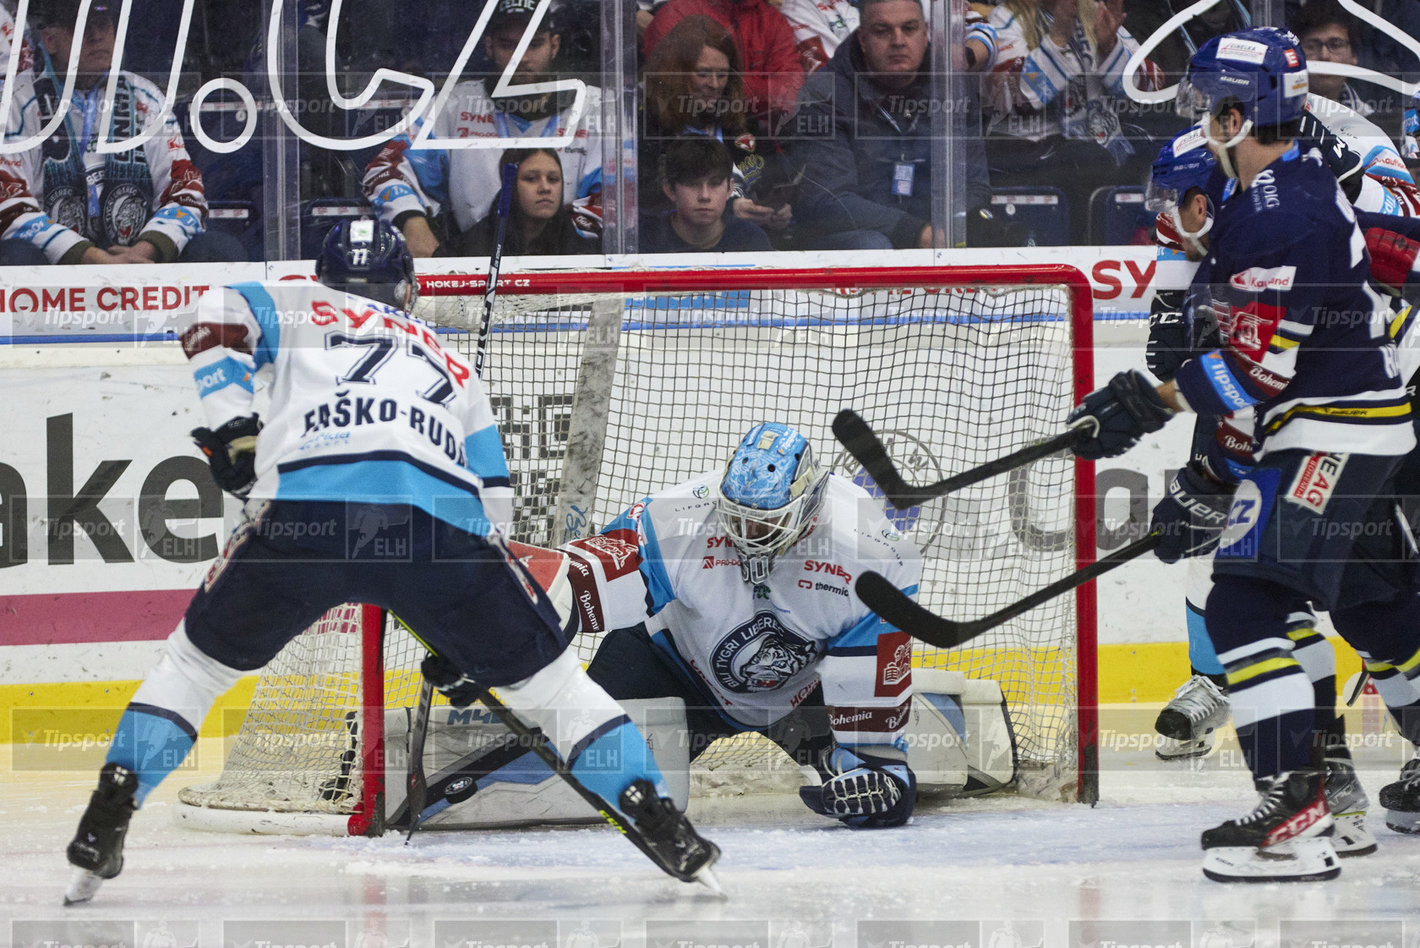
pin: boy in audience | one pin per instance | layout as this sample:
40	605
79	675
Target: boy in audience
696	178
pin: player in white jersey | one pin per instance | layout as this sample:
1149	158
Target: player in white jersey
746	575
380	478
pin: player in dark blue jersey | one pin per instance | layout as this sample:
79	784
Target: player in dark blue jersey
1303	343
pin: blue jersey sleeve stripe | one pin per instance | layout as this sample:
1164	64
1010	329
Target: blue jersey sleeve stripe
859	639
484	450
219	375
263	307
653	568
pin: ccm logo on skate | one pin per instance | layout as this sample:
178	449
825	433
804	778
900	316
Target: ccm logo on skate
1298	825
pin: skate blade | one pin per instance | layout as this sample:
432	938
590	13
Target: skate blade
706	877
83	886
1170	749
1351	838
1402	821
1304	860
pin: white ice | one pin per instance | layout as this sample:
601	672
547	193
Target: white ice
1125	871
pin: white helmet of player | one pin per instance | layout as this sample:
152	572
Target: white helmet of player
769	496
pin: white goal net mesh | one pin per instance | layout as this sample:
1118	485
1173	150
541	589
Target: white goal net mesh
603	397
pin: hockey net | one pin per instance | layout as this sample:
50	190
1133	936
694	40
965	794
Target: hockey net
608	386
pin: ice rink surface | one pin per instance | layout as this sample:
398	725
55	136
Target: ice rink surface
993	872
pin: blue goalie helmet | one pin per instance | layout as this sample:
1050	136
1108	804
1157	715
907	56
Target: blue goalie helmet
368	257
1262	70
771	491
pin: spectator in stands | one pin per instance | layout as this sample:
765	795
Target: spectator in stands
862	136
538	221
1329	35
697	182
694	86
64	202
768	51
433	195
1055	97
820	26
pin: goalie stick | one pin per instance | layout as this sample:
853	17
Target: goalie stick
860	440
417	783
880	595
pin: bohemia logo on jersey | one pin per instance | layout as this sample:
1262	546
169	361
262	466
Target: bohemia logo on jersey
894	665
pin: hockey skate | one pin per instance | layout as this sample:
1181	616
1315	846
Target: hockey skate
1287	838
1401	799
667	836
96	852
1348	803
1189	722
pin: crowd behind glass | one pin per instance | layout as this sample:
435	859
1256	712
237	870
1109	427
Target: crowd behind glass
652	126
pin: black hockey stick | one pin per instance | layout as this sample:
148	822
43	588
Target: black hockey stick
855	434
880	595
417	784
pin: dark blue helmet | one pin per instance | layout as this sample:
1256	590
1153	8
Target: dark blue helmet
1262	70
1183	164
368	257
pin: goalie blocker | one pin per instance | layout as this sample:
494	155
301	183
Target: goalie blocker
959	742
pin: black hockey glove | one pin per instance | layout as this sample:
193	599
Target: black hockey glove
1169	343
863	791
1119	415
1191	516
231	453
1344	161
449	681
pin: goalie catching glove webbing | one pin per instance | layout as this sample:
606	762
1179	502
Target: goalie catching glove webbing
231	453
863	790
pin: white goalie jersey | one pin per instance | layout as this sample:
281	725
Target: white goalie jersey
367	404
759	650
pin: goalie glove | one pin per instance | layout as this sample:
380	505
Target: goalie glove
231	453
863	790
461	690
1120	414
1192	515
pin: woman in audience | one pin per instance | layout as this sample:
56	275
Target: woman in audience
1055	97
694	86
538	222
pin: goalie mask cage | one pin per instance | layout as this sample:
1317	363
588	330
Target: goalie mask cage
610	385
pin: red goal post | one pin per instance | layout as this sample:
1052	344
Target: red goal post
611	384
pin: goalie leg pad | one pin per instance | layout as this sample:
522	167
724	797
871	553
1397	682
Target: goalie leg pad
587	727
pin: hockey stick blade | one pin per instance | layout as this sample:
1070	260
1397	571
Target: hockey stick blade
858	437
880	595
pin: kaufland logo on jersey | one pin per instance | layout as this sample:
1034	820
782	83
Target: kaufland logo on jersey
1257	279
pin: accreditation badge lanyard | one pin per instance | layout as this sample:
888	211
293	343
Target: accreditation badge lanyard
904	172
